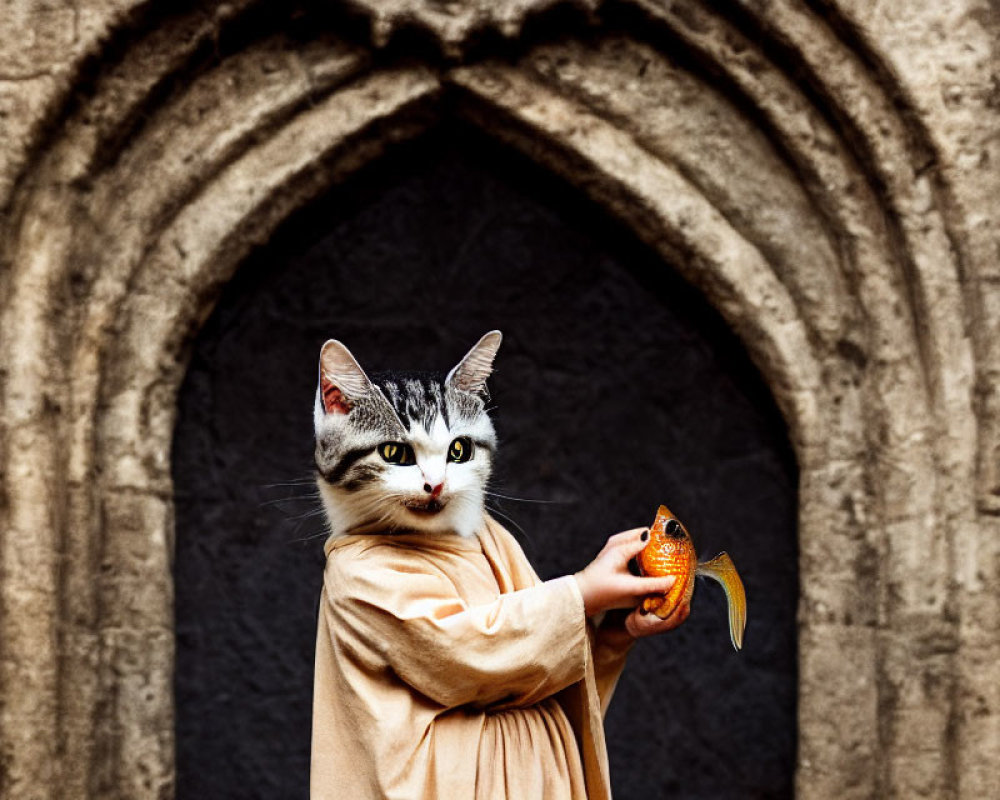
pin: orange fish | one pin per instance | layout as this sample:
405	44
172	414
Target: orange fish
671	552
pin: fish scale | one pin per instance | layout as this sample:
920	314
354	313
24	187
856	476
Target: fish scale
670	551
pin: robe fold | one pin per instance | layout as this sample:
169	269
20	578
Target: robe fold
445	668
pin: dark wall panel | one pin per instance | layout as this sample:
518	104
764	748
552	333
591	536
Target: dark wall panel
616	389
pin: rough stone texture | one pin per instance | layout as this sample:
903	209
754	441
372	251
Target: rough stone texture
454	22
823	172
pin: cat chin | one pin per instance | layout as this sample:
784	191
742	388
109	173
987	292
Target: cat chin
463	519
461	514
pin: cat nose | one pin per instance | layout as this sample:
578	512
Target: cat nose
433	491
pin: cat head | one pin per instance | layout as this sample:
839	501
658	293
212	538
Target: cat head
404	451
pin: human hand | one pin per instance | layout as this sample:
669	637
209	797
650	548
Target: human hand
606	582
639	623
621	627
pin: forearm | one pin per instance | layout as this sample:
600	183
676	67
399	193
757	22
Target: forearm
516	650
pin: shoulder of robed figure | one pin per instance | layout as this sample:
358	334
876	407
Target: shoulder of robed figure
374	562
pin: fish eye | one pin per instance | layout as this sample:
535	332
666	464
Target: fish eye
396	453
460	450
673	527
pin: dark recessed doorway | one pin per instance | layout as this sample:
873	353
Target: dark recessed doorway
617	388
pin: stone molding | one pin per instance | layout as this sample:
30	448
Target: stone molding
778	155
454	23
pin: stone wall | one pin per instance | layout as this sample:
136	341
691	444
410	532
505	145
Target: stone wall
821	171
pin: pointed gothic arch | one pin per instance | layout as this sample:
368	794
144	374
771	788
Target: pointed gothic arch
812	218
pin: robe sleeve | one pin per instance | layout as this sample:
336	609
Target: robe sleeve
394	613
609	662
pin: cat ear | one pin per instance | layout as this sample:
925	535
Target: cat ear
470	374
341	379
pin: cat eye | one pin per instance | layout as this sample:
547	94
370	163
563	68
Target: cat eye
460	450
397	453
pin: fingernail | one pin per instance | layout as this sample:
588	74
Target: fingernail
633	567
643	611
645	535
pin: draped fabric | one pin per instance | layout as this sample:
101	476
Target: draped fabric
446	669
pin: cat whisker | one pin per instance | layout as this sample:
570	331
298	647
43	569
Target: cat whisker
280	500
311	537
511	520
523	499
307	481
316	512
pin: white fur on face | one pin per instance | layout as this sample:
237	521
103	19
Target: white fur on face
393	502
353	415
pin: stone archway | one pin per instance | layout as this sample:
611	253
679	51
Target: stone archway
767	152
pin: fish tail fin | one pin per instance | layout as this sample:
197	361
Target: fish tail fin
722	570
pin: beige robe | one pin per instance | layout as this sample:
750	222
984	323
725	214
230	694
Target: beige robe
446	669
